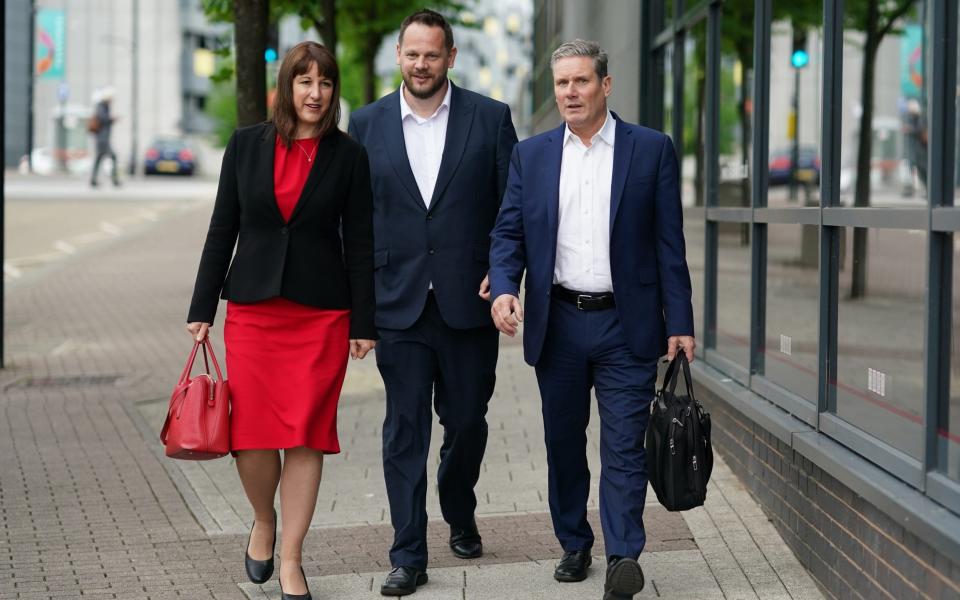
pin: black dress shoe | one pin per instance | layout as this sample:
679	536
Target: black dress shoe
260	571
307	596
624	579
573	566
403	581
465	542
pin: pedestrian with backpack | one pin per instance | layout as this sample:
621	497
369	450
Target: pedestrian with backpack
101	125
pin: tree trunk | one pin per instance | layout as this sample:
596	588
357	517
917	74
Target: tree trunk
371	45
326	26
745	141
250	31
858	286
700	175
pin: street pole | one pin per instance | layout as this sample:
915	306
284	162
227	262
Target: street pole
134	94
30	78
795	149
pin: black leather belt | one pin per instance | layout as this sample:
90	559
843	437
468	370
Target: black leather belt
585	300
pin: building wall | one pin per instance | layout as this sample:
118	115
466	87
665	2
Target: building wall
98	54
852	548
616	28
16	79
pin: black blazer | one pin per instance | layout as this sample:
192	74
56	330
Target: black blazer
322	257
449	243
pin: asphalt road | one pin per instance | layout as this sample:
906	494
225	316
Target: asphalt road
48	220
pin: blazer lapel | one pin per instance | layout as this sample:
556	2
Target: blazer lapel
265	168
325	152
622	155
551	178
396	145
458	131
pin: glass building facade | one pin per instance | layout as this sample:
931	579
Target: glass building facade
817	144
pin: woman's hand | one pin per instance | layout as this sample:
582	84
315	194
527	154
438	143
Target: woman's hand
198	330
359	348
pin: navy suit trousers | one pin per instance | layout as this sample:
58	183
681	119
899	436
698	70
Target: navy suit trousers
584	350
453	370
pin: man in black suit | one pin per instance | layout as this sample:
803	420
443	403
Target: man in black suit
439	156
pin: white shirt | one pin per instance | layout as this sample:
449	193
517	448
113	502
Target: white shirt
583	235
425	139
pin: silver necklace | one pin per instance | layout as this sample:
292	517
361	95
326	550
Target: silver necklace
309	156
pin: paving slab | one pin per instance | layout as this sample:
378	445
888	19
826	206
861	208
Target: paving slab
90	508
677	575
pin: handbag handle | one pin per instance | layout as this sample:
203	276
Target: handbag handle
184	376
206	345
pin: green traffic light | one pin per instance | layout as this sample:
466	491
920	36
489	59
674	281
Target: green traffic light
799	59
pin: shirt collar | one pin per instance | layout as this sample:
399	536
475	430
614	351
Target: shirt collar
606	133
406	111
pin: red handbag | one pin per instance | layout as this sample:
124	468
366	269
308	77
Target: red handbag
198	420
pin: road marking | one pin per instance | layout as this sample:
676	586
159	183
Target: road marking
110	228
63	348
65	247
15	267
11	271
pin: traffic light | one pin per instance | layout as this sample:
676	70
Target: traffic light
799	58
273	43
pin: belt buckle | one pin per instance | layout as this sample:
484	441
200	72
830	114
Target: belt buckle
581	298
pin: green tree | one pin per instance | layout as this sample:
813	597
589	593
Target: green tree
222	106
352	29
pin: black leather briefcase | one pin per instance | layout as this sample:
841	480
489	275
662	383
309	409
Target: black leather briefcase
679	454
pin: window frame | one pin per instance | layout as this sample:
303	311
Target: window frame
939	219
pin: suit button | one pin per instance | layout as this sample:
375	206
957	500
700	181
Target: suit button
431	251
284	230
429	217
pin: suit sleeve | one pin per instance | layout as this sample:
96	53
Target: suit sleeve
357	222
506	140
221	238
674	275
507	249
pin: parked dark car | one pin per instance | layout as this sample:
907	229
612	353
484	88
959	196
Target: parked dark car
169	156
808	167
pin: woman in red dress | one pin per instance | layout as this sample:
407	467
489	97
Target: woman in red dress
295	198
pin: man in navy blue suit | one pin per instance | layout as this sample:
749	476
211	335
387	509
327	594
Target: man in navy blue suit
592	213
439	156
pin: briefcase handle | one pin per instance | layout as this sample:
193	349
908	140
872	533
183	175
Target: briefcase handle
672	375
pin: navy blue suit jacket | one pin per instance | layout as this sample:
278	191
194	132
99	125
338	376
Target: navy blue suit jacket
651	283
448	244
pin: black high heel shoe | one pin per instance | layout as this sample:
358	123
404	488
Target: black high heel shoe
260	571
307	596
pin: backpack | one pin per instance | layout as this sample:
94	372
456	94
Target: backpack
679	454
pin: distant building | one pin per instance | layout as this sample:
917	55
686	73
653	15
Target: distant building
95	46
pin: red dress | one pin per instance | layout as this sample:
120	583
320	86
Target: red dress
286	361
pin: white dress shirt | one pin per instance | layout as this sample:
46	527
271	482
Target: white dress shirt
425	139
583	235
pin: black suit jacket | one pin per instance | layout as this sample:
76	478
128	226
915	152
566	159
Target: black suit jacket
322	257
449	243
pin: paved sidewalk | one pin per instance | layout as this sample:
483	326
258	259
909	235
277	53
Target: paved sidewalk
89	507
